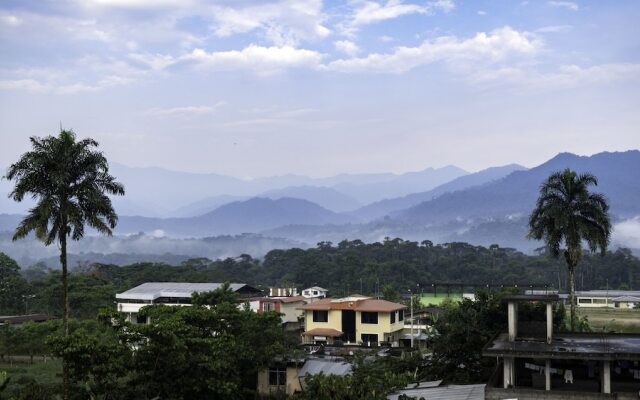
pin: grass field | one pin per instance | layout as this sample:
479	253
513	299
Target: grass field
45	375
429	298
621	321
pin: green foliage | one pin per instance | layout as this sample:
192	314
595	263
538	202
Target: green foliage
184	353
13	287
390	293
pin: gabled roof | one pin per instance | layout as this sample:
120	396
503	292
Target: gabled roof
285	299
154	290
356	303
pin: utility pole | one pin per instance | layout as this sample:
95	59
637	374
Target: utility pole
411	305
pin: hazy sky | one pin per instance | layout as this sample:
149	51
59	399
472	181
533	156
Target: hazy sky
257	88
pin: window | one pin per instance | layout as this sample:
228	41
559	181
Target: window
268	307
320	316
392	317
141	320
278	377
368	337
599	301
400	315
584	301
369	317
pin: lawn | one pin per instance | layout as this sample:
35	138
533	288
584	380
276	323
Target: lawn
430	298
42	377
611	319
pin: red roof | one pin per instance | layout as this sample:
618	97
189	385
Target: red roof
361	304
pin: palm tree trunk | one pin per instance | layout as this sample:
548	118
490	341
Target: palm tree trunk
65	306
572	295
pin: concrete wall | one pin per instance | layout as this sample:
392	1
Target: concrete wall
531	394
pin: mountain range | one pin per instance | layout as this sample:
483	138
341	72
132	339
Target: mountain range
445	204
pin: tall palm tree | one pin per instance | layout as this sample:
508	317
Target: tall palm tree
568	214
69	179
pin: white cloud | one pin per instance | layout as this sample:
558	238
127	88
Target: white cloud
10	20
569	5
554	29
30	85
370	12
347	47
282	23
493	47
627	232
183	111
481	12
386	38
137	3
567	76
263	60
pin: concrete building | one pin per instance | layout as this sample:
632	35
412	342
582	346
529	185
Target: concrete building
562	366
283	292
353	320
170	293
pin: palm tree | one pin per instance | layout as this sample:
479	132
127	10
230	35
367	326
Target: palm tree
68	179
568	214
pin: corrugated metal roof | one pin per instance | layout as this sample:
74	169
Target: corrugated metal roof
316	366
154	290
627	299
451	392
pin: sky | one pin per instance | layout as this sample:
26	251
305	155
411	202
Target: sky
260	88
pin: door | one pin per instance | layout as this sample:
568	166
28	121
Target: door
349	325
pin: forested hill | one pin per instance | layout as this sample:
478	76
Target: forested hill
350	266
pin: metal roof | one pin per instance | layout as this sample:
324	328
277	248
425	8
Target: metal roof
316	366
450	392
627	299
154	290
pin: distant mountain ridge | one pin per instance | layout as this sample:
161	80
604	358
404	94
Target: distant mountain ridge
387	206
516	193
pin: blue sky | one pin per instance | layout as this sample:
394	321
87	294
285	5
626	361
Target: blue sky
258	88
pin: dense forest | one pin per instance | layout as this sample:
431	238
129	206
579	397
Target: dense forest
349	266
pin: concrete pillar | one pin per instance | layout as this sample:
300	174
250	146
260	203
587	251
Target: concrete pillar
606	377
547	375
512	312
549	323
508	372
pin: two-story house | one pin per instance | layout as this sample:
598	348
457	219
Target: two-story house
355	319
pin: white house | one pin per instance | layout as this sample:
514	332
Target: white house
170	293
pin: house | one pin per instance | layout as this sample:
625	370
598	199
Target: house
288	377
561	366
289	307
170	293
355	319
315	293
625	299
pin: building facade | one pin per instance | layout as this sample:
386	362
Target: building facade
353	320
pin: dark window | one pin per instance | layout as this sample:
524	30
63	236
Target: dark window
369	317
320	316
400	315
277	377
367	337
392	317
141	320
